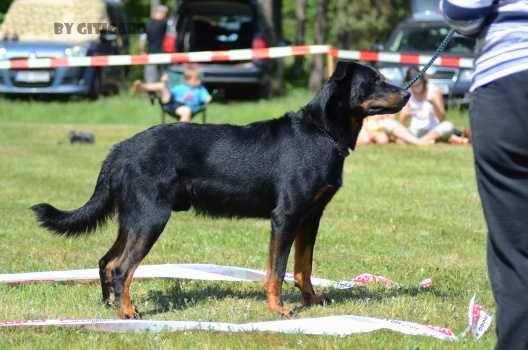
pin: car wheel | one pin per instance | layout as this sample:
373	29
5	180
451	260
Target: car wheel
95	88
265	90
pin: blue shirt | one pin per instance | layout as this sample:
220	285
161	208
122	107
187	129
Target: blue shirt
503	42
192	96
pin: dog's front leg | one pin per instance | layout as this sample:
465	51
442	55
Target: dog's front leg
305	237
282	236
304	246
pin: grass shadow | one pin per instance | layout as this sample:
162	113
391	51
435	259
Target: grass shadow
177	298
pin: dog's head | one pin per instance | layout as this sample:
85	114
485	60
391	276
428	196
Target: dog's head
352	93
369	93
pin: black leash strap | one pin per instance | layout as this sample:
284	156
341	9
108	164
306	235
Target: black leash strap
437	53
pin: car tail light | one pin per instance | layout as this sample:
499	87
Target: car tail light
169	43
259	43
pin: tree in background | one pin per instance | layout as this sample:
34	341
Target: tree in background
317	74
354	25
361	23
300	33
273	13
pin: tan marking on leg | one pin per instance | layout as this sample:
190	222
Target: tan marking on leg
304	245
128	310
116	251
273	285
303	269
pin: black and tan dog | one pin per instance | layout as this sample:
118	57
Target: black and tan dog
286	169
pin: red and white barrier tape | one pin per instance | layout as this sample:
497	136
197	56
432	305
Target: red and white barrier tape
166	58
478	320
401	58
232	55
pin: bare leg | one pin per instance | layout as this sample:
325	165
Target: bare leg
185	114
431	136
381	138
445	132
458	140
402	133
363	137
159	88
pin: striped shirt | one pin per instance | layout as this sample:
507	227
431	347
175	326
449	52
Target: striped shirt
502	27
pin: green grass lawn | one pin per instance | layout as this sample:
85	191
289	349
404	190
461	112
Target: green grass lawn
404	212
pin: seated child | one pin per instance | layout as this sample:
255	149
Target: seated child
182	100
426	112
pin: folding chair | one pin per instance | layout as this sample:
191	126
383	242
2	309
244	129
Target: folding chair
176	78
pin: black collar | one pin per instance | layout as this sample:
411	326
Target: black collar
341	151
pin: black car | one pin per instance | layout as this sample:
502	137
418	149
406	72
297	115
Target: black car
422	33
210	25
28	31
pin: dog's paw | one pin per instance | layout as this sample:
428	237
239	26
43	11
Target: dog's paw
110	303
284	311
130	314
288	313
314	299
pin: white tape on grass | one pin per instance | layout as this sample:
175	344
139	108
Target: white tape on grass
332	325
479	320
204	272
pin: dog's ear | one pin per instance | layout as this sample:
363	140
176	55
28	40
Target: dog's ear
343	70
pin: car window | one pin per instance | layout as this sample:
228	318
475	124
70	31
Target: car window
427	39
218	32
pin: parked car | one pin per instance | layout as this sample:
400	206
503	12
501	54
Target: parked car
32	29
205	25
422	33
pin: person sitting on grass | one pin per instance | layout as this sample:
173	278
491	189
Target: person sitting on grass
426	112
373	131
182	100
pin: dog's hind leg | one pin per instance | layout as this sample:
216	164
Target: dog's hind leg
141	223
106	265
130	260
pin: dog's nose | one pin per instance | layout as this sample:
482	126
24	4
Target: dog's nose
405	95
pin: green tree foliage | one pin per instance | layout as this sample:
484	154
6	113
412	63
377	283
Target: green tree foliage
360	23
352	24
4	5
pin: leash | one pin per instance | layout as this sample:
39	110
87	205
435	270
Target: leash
441	48
342	152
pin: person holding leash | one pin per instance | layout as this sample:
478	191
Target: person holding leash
499	124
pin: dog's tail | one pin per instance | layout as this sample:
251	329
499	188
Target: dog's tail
85	219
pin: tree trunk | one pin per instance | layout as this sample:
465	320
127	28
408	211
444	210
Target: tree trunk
273	13
321	24
300	34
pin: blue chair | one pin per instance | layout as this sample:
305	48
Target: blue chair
176	78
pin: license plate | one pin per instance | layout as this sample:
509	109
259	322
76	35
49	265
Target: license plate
29	76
